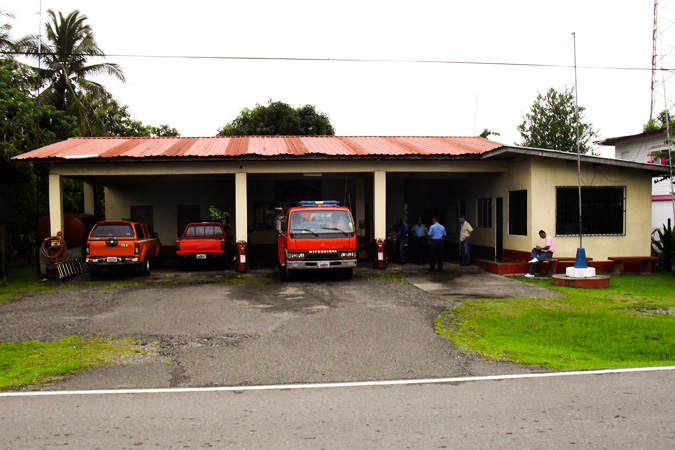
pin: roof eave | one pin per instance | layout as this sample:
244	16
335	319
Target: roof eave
311	157
558	154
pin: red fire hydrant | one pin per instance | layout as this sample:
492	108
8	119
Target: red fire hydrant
242	254
380	258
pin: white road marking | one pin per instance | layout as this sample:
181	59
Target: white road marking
277	387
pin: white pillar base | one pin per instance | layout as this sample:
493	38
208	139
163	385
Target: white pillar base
580	273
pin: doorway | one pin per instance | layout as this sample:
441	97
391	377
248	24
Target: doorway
499	219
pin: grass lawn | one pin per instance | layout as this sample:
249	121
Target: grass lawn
36	363
631	323
23	280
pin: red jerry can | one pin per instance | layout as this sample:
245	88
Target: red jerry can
242	255
380	258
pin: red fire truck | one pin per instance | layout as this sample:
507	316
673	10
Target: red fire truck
317	235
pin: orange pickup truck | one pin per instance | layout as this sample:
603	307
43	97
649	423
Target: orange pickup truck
117	243
201	241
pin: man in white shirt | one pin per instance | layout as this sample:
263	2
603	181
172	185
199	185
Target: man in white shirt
420	232
465	235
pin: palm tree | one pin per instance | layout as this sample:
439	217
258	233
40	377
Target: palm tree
5	29
64	65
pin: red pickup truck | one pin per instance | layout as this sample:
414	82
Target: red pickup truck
122	243
202	241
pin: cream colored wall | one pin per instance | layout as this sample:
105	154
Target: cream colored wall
165	197
547	174
540	177
516	176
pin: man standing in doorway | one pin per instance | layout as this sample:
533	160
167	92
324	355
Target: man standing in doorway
420	231
437	237
401	238
465	235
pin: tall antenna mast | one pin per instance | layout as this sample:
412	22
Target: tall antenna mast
663	58
663	83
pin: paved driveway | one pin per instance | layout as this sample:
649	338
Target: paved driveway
211	332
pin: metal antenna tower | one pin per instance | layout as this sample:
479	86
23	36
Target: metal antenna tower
663	74
663	58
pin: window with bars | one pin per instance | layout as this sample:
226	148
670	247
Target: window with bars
603	210
484	208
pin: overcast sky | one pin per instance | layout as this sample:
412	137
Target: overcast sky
403	96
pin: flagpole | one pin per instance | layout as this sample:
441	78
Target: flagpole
580	261
576	116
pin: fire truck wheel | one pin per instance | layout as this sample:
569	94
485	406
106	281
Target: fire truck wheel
288	275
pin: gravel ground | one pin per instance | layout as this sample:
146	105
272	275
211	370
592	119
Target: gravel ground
211	333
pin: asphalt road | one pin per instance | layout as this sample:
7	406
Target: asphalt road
620	410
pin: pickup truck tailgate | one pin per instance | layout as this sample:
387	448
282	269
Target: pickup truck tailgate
111	247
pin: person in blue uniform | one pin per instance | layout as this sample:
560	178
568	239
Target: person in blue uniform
401	238
437	238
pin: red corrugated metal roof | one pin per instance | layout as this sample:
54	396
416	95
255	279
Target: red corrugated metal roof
242	146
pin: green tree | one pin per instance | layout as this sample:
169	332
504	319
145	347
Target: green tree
659	123
114	120
551	123
281	119
24	127
65	67
163	131
487	133
5	30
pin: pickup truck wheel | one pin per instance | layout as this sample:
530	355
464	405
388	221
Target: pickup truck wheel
145	266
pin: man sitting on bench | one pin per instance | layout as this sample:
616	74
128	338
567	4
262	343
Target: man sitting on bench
541	254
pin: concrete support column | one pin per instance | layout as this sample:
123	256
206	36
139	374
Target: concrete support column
55	203
380	204
240	207
360	201
88	197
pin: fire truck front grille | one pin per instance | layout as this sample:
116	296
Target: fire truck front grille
322	255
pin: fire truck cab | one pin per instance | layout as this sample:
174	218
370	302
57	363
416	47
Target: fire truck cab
317	235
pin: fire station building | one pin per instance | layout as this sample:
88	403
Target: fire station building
507	193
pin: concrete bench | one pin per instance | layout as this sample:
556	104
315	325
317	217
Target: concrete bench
552	265
645	263
553	262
